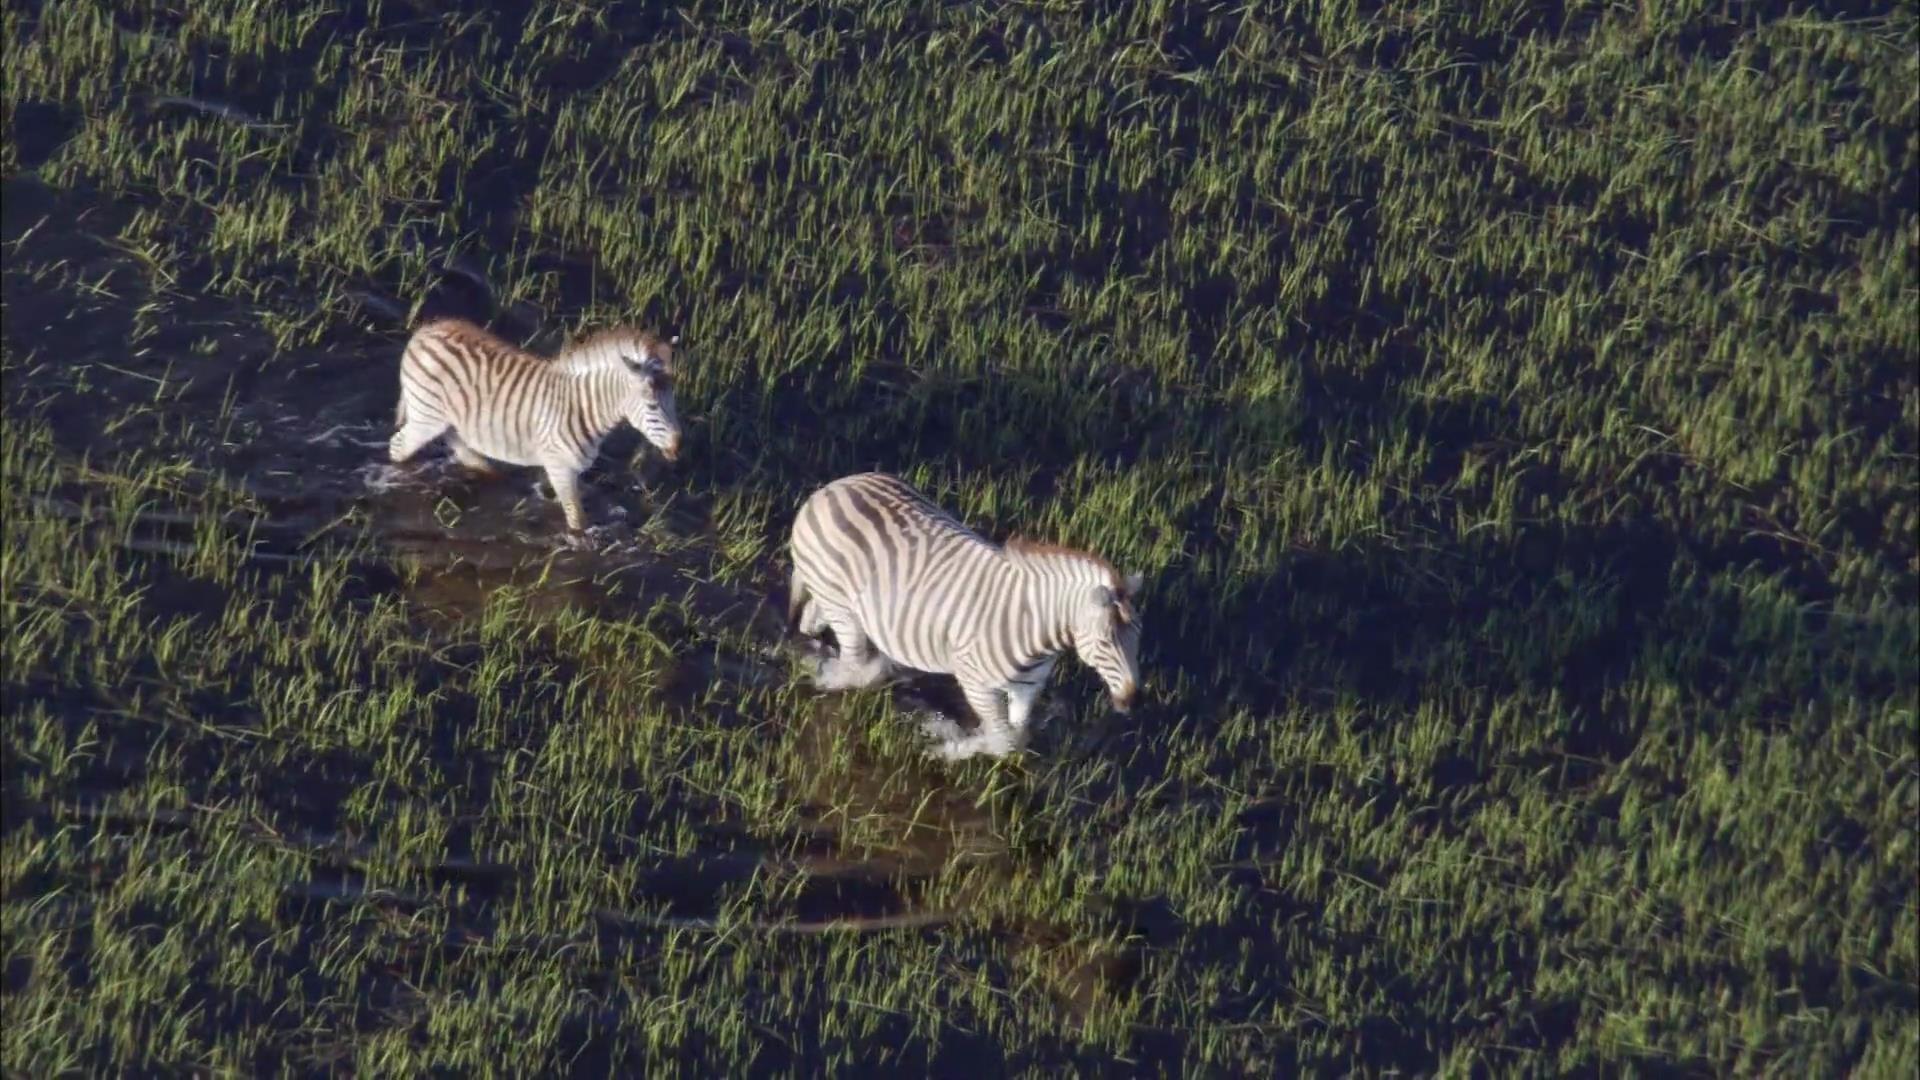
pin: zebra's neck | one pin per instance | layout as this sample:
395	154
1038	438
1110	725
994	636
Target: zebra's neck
1052	584
599	392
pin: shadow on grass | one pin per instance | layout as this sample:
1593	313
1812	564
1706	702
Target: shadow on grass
1562	610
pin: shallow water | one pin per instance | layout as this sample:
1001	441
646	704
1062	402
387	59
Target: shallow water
304	435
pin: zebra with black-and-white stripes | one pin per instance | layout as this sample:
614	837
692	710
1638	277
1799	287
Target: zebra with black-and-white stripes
900	581
494	400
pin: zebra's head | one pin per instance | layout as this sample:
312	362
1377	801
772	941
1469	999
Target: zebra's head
649	405
1107	638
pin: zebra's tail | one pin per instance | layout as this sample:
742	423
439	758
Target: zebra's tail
797	597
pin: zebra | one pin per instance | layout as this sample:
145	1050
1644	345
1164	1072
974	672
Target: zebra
493	400
901	582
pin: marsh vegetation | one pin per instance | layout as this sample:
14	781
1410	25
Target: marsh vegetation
1515	413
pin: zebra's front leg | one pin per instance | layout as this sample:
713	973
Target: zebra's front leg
1020	699
1025	689
996	736
566	490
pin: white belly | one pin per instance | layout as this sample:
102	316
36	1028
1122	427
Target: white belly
515	452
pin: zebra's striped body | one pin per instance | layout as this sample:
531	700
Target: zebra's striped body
493	400
899	581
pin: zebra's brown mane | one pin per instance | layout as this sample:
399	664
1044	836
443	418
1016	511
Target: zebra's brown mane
1024	546
473	332
648	340
447	322
467	328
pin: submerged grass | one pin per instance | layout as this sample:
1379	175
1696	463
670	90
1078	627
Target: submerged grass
1514	411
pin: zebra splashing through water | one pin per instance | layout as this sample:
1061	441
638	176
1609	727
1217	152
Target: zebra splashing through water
494	400
900	581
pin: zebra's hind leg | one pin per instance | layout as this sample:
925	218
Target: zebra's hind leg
411	437
468	457
813	618
859	664
808	624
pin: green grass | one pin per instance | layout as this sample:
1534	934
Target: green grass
1515	414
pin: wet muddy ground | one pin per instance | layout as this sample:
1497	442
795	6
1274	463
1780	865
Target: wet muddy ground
1524	488
299	437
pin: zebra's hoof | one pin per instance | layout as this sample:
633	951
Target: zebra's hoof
943	730
817	667
577	540
384	476
954	743
955	750
973	746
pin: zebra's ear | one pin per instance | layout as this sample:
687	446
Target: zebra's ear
1133	582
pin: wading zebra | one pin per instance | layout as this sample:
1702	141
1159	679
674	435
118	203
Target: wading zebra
493	400
900	581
